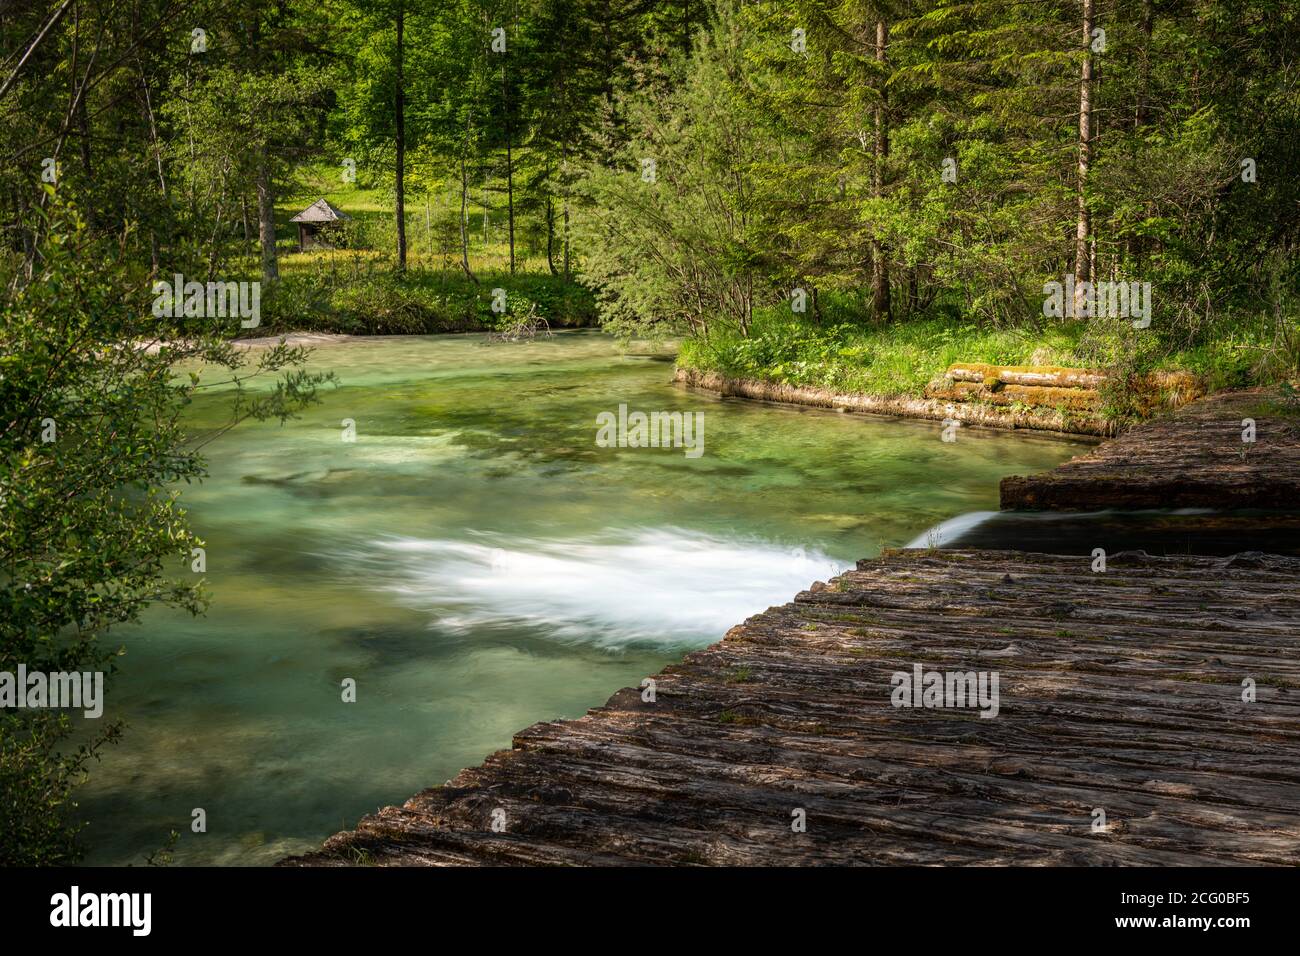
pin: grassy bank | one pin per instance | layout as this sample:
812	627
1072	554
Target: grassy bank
902	358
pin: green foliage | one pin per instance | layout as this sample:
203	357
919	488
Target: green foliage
224	118
943	167
672	245
382	301
38	773
852	357
902	359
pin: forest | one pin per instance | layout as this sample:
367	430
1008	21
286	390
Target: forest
842	194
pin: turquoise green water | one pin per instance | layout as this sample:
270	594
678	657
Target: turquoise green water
476	563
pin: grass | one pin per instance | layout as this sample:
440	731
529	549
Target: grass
356	288
432	222
363	296
1285	405
847	354
897	359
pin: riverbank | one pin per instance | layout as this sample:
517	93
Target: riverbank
902	367
1056	421
1061	422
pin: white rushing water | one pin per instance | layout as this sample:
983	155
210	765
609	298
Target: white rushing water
949	531
653	586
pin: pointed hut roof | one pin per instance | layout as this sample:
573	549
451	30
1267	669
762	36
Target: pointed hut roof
320	211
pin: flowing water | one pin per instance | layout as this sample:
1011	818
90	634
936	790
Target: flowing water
476	563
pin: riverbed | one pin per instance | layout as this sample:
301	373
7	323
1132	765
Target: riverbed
475	562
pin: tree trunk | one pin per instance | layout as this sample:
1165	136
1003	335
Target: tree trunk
550	236
1082	259
464	220
153	137
1144	71
1136	244
266	216
510	167
400	122
564	172
83	131
880	270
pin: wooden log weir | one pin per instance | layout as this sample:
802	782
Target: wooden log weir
1120	691
1042	376
1062	399
1073	392
1193	458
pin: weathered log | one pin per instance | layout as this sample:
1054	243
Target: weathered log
1153	392
1068	399
1196	457
1040	375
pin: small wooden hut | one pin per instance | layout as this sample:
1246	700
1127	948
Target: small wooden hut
315	223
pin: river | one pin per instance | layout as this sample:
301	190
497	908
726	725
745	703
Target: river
475	562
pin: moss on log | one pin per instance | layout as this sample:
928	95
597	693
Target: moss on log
1049	376
1067	399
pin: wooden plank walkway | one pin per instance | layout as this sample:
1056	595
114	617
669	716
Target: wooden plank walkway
1118	691
1194	458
